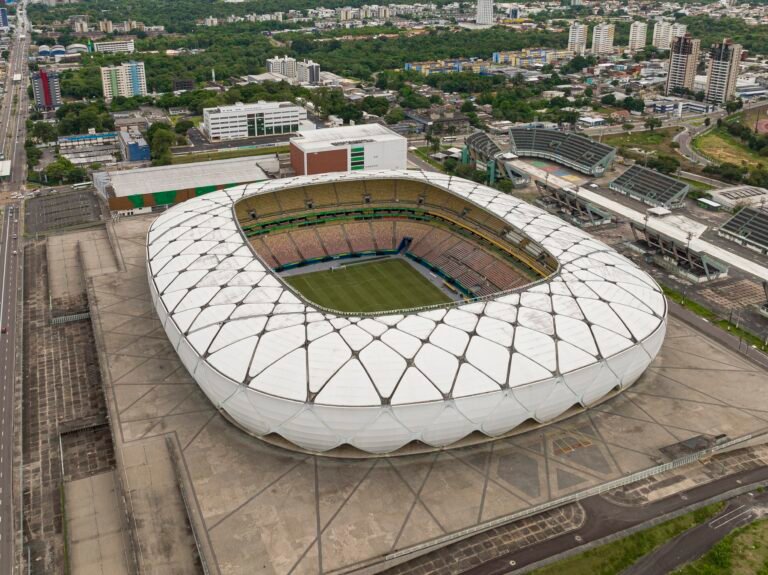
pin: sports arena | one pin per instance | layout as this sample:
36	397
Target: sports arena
379	309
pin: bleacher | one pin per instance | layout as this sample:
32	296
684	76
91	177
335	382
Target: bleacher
477	270
567	148
749	227
483	149
651	187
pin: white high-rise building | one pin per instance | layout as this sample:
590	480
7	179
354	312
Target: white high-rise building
126	80
484	15
308	72
285	66
722	71
664	32
683	60
577	38
602	38
638	35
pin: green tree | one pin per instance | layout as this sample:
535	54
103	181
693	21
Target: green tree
652	123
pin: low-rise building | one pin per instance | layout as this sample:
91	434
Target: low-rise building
133	146
252	120
363	147
115	47
130	192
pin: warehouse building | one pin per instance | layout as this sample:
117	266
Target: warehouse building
133	192
349	148
242	121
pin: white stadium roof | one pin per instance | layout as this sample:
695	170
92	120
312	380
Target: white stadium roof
276	363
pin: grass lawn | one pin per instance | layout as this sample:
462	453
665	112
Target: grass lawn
614	557
743	552
696	185
659	141
720	145
228	154
367	287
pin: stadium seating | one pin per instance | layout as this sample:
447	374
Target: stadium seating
282	248
334	240
292	200
383	234
260	206
408	191
380	190
323	195
308	243
567	148
350	192
360	236
651	187
748	227
261	248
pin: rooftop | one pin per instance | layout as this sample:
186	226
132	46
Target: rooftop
200	174
344	135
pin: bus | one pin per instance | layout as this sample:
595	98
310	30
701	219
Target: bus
82	185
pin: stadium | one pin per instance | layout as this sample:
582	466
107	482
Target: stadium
380	309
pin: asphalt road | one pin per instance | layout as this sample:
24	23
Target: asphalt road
606	518
12	135
685	139
419	163
9	268
695	542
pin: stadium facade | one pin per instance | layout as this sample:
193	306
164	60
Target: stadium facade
275	363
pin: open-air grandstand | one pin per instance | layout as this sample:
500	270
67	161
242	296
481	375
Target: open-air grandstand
567	148
651	187
677	256
567	204
463	245
483	150
749	228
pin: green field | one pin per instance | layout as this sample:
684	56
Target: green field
368	287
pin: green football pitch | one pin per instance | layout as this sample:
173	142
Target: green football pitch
367	287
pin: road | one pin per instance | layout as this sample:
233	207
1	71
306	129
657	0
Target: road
15	107
695	542
606	518
685	140
419	163
9	267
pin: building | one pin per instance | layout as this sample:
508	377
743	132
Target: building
132	192
106	26
602	38
484	15
722	71
115	47
183	84
252	120
638	36
91	148
577	38
683	60
664	32
46	89
126	79
80	26
285	66
308	72
363	147
133	146
379	386
4	18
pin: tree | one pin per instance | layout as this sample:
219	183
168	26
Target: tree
652	123
183	126
608	100
707	121
627	127
43	132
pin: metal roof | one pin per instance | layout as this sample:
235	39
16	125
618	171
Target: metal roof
186	176
276	363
